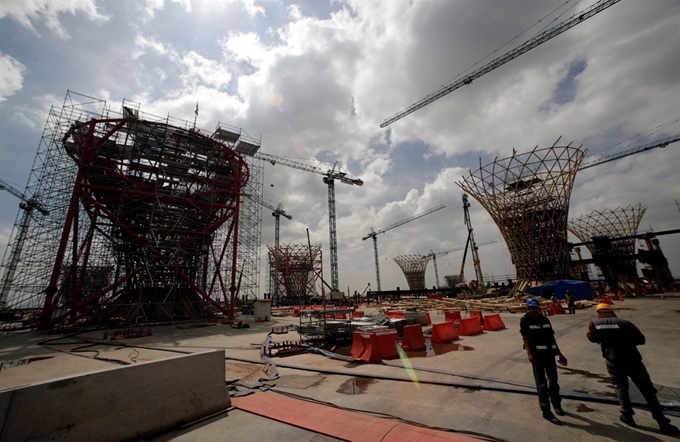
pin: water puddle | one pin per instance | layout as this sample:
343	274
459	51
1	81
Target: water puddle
434	349
4	365
355	386
430	350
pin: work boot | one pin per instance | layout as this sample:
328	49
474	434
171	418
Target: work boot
628	420
547	415
669	429
558	410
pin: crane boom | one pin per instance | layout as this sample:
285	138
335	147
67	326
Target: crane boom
632	151
329	178
539	39
374	235
335	174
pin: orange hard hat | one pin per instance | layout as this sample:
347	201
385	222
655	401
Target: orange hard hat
603	306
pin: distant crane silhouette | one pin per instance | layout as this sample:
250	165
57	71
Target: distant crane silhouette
373	234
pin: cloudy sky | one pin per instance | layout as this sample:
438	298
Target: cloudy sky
314	79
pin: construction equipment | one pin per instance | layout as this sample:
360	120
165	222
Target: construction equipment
277	213
374	235
434	256
329	178
632	151
539	39
470	243
28	206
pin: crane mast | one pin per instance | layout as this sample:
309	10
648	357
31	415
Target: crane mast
329	178
434	256
539	39
28	206
472	245
374	235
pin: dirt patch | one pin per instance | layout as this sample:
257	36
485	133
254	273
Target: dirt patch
583	408
355	386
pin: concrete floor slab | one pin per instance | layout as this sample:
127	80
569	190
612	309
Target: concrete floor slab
457	403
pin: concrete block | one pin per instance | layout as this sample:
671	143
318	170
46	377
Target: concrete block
121	403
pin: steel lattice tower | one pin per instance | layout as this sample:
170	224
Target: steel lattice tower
146	222
527	195
295	271
413	267
613	224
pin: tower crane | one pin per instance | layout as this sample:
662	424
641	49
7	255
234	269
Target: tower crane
435	255
329	178
632	151
28	206
539	39
470	243
277	213
374	235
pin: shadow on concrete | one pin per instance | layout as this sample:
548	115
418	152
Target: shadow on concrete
613	431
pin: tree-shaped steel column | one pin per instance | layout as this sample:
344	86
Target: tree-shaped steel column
527	195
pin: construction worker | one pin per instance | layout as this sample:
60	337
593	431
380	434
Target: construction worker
619	339
571	302
541	347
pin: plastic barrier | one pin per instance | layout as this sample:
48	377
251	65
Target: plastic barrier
357	314
427	315
444	332
556	309
546	311
452	316
395	315
387	341
413	338
493	322
607	300
469	327
365	347
296	312
477	314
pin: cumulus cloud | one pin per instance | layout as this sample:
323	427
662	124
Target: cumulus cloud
11	76
34	12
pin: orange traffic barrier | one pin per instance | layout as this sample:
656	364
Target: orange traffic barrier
387	341
444	332
493	322
357	314
607	300
413	337
546	311
296	312
365	347
452	316
427	315
477	314
395	315
470	327
556	309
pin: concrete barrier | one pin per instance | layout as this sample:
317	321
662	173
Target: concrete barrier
122	403
416	317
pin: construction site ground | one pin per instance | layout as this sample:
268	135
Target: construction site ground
494	361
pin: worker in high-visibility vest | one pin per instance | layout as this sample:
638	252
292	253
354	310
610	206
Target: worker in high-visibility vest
619	339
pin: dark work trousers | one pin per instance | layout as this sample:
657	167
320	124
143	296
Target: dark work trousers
548	389
572	309
638	374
